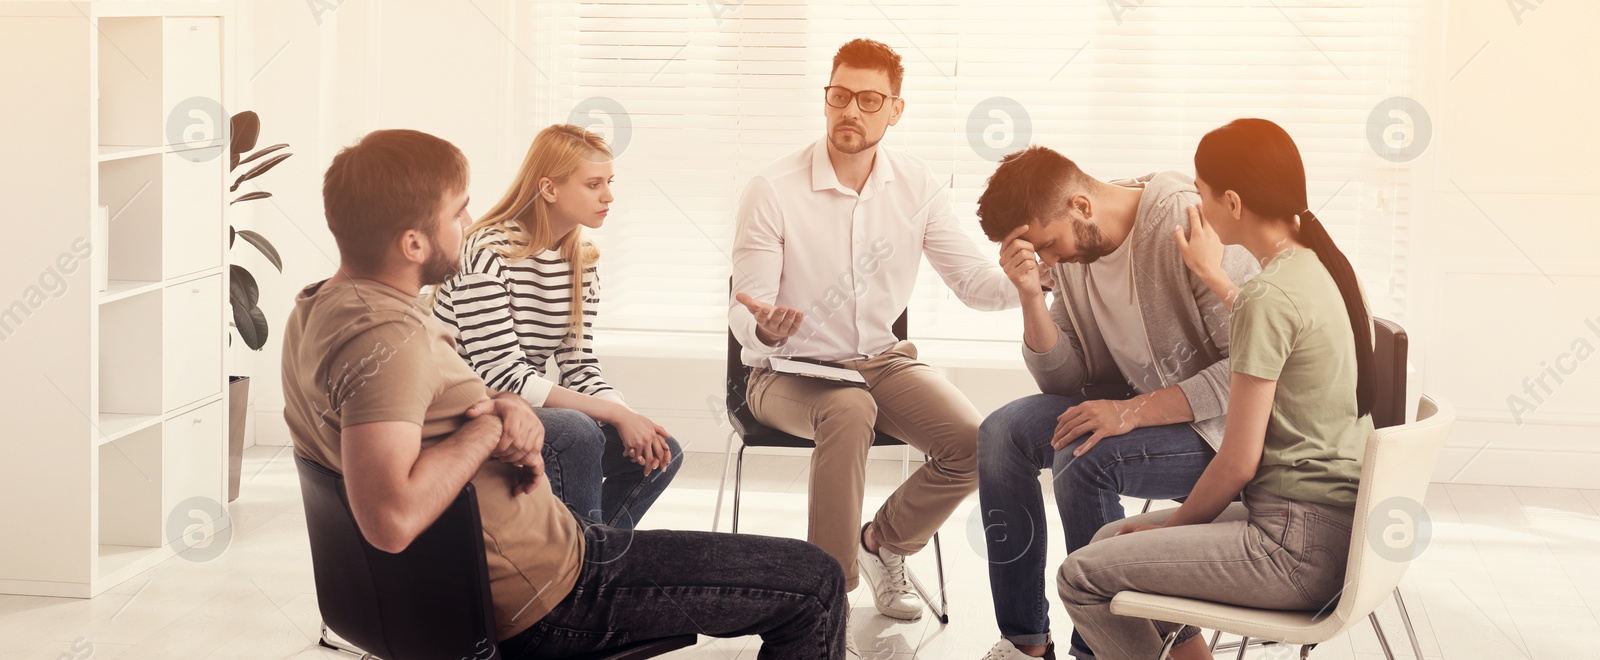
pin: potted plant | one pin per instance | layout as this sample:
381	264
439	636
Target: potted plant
243	294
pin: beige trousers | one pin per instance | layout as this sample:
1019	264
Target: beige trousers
904	398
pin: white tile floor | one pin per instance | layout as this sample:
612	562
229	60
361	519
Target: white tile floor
1509	573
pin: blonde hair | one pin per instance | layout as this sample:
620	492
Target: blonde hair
555	154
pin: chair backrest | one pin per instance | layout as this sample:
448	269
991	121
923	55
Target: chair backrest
1389	345
738	374
1390	524
430	600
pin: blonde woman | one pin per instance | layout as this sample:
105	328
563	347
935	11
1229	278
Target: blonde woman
523	304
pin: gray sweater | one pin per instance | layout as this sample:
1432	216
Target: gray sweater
1187	326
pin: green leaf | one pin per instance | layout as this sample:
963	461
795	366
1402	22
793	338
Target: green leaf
251	324
243	130
259	170
264	246
263	152
242	287
259	194
260	320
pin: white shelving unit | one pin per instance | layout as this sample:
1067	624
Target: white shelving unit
114	450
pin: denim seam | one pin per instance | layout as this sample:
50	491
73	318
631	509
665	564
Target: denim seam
626	503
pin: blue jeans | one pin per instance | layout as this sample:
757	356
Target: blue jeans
640	585
588	472
1157	462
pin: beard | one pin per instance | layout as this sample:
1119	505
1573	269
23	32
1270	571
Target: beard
1091	242
853	144
440	266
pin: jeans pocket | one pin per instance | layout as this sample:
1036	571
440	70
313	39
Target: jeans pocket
1271	518
1321	553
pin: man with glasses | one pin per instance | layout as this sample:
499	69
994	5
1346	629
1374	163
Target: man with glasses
825	258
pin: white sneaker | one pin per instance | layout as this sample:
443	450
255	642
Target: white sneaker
1005	650
850	650
892	592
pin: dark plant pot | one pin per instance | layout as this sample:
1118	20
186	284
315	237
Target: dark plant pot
238	405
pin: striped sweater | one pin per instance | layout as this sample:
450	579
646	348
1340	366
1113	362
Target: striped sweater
510	318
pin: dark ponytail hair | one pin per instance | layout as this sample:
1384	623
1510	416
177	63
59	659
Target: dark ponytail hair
1258	160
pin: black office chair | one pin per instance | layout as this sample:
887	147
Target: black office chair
755	434
428	601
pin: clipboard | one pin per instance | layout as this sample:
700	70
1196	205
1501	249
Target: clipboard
817	369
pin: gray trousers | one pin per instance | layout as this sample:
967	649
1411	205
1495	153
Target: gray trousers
1268	552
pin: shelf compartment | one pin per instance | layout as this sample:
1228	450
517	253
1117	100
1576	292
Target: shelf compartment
130	356
192	229
193	454
131	189
192	341
130	490
160	81
131	76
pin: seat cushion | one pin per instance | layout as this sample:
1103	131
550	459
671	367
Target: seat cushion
756	434
1287	627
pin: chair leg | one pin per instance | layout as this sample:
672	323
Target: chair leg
1405	618
942	609
1244	643
327	642
1216	636
1146	508
1305	651
722	487
1166	645
1382	641
944	594
738	485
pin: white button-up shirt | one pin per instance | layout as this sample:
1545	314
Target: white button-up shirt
848	260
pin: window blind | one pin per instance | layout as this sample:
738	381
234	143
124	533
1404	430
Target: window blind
698	95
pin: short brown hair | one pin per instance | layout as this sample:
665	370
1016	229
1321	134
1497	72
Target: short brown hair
388	182
1032	183
870	54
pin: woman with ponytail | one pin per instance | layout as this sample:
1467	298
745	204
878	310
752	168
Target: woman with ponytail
1301	391
524	302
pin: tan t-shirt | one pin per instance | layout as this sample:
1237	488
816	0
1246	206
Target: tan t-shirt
361	351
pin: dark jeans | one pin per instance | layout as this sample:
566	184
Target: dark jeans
642	585
588	472
1157	462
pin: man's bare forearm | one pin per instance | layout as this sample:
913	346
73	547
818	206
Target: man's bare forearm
1039	331
441	471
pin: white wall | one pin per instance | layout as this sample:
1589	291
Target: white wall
1507	238
320	82
1502	277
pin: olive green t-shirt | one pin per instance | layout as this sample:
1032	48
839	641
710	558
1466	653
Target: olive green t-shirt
360	351
1290	325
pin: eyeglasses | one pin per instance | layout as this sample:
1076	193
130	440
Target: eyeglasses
867	100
